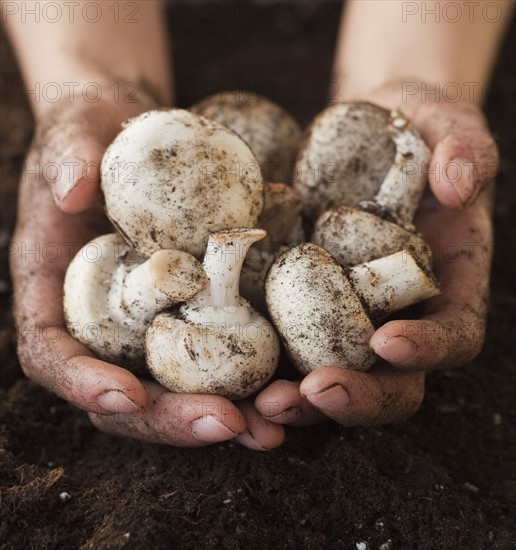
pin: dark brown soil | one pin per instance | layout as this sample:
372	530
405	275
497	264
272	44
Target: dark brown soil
444	479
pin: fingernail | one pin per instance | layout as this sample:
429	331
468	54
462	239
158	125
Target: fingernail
246	438
461	174
333	398
72	172
399	350
290	414
115	401
62	191
210	429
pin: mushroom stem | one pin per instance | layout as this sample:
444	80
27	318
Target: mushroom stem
403	186
392	283
216	343
222	263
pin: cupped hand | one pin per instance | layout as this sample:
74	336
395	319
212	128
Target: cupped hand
46	239
69	143
456	221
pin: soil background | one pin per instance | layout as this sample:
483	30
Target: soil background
444	479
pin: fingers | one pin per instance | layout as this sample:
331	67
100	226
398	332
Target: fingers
47	353
177	419
452	331
465	155
358	398
193	420
260	434
281	402
51	357
349	397
448	339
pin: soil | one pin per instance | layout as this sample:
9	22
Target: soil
446	478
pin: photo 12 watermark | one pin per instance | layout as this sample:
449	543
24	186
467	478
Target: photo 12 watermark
451	12
451	92
63	252
69	11
68	92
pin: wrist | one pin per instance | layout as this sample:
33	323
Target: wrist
405	91
120	95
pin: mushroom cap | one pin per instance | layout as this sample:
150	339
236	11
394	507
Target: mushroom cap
272	134
170	178
353	236
318	315
110	334
177	275
344	156
211	358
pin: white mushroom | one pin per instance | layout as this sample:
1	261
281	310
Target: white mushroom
281	219
171	178
216	343
382	226
326	315
111	294
344	157
271	133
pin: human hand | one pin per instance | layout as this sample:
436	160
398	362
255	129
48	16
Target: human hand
451	332
46	239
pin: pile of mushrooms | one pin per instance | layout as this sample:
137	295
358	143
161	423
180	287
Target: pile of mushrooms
366	259
209	231
179	187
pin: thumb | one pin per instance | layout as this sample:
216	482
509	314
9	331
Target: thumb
71	152
72	140
465	156
73	173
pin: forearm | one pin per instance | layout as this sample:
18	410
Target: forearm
451	50
124	46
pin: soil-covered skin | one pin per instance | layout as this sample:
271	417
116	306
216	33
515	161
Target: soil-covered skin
444	479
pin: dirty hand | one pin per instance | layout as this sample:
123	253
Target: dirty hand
458	227
61	177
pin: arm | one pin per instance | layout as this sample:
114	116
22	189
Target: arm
129	45
101	72
383	42
377	53
75	132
